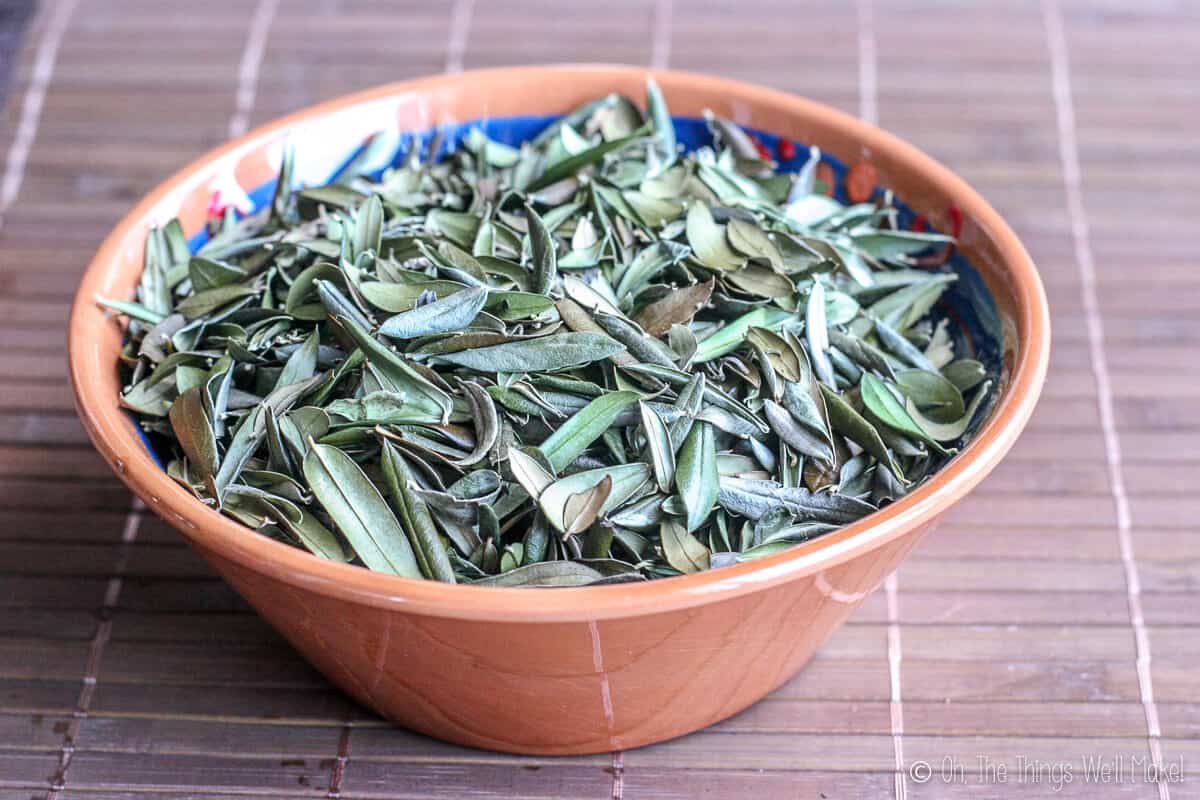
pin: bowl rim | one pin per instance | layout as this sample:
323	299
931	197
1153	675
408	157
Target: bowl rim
112	432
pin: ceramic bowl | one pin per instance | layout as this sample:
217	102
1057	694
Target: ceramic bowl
580	670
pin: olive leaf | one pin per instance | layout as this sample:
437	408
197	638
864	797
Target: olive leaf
948	432
541	245
625	479
582	508
302	364
755	498
545	354
696	476
414	517
401	377
584	427
572	165
661	452
932	391
681	549
884	407
965	373
193	429
359	511
676	308
451	313
545	573
849	423
816	329
708	242
664	129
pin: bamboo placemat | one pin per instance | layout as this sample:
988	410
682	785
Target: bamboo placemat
1051	624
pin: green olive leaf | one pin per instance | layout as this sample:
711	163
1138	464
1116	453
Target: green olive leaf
849	423
965	373
582	508
951	431
451	313
696	477
626	479
932	392
664	150
544	255
413	515
708	242
359	511
544	354
545	573
660	450
584	427
194	430
884	406
302	364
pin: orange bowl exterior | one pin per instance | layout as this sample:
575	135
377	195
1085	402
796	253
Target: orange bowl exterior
561	671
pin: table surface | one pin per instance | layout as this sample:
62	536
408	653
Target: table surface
1052	623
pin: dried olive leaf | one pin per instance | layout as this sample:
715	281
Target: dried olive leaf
486	420
582	508
902	308
663	152
648	263
545	573
544	354
816	330
584	427
545	258
659	448
884	407
359	511
708	242
627	480
797	436
451	313
194	431
755	498
533	477
696	476
676	308
302	364
901	347
681	549
208	301
245	442
732	335
399	374
570	166
400	297
849	423
888	245
205	273
965	373
952	431
751	240
931	390
414	517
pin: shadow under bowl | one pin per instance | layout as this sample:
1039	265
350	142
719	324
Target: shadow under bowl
589	669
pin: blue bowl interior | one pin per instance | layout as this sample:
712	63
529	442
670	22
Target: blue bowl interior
975	323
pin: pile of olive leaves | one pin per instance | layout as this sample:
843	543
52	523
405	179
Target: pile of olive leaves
584	360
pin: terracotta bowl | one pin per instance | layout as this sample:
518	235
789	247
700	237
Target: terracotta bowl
585	669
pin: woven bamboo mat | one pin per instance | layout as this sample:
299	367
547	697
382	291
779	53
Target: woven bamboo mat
1052	623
